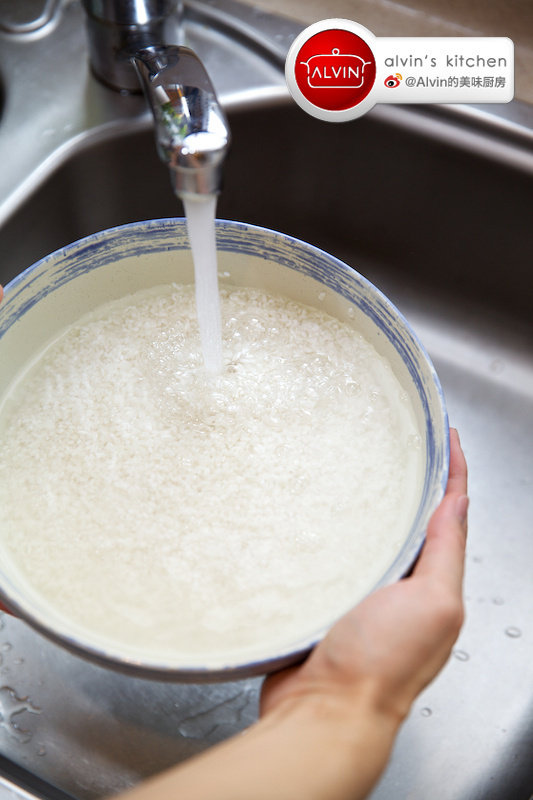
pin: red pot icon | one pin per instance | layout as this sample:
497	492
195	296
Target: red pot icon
333	69
336	70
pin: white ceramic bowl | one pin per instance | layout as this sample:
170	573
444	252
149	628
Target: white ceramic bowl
65	285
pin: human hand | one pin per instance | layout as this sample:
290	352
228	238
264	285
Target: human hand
327	727
395	641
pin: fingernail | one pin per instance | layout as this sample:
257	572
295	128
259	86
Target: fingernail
461	508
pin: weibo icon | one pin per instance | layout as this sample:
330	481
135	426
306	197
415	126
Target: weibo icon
393	80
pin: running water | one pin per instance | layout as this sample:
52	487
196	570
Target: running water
200	213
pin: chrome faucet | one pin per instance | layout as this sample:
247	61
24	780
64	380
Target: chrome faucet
135	36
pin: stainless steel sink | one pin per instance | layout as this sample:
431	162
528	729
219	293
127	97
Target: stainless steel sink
434	206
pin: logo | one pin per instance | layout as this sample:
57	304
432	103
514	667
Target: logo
331	69
337	70
393	81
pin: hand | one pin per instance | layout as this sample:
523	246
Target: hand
394	642
327	727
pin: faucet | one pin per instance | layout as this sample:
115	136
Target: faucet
129	51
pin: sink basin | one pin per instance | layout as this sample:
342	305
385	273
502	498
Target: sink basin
445	231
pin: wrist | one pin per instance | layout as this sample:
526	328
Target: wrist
345	734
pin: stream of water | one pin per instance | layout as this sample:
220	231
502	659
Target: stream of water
200	214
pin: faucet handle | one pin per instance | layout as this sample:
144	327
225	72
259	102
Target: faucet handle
117	29
192	132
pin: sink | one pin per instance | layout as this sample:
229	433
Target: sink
435	209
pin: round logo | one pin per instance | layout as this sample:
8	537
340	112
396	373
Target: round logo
331	70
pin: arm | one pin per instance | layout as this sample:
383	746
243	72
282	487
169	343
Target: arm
327	727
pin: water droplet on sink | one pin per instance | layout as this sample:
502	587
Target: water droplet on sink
461	655
322	296
513	632
6	647
498	601
213	721
10	706
426	712
41	751
497	366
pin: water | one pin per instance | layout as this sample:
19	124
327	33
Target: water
461	655
200	213
11	705
513	632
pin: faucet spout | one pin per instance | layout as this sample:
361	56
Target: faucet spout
192	133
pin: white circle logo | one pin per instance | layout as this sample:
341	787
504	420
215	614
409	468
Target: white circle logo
331	70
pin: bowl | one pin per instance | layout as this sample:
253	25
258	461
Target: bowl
64	286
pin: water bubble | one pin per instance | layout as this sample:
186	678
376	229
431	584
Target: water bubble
426	712
351	312
498	601
352	388
41	751
461	655
322	296
414	442
6	647
513	632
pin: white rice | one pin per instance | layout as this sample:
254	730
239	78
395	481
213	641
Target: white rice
171	513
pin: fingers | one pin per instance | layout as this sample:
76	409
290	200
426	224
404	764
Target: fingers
458	475
442	557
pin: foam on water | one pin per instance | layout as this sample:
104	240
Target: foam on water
175	511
